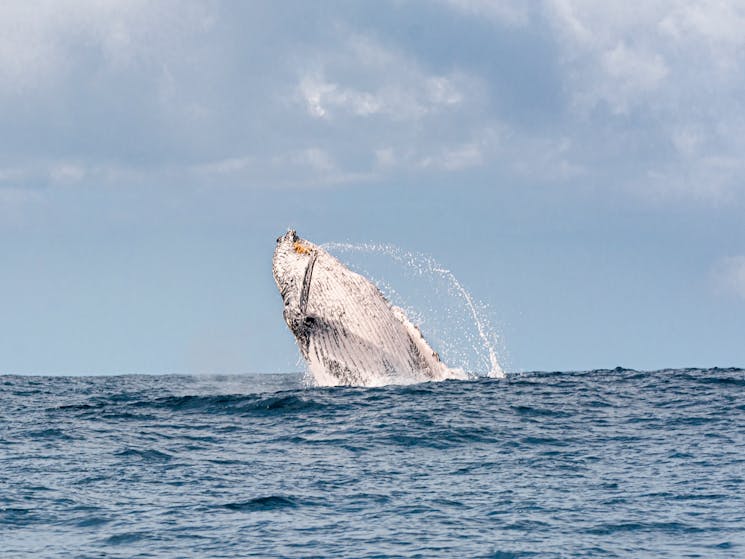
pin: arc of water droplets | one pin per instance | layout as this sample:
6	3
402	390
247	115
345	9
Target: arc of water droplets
432	265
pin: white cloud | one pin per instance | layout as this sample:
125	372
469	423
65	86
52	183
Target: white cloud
323	98
414	118
41	41
312	166
385	158
611	51
640	96
442	91
651	74
10	175
686	140
42	172
550	159
225	166
455	158
397	86
67	173
462	157
713	181
716	26
630	75
393	99
316	158
729	276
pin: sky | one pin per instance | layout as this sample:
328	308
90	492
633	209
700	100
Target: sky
579	166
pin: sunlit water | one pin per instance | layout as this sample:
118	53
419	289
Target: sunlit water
599	464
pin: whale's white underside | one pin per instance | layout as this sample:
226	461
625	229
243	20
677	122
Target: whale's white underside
347	331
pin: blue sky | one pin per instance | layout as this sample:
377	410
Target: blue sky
578	165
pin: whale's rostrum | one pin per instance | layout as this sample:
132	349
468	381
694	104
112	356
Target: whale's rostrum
347	331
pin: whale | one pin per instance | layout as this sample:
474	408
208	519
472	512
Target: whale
348	333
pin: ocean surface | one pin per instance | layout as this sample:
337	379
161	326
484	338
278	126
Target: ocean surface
610	463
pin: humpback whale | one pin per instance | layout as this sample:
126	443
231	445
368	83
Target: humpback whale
347	331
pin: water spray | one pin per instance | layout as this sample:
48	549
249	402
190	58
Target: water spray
422	263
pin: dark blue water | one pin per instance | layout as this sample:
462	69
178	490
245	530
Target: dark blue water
601	464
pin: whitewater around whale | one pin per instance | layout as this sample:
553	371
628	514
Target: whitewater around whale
347	331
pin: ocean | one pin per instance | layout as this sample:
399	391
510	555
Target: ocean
607	463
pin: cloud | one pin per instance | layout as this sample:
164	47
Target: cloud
640	98
611	53
42	40
411	118
398	88
606	46
321	96
631	74
728	275
141	92
306	167
716	26
552	160
462	157
67	173
661	75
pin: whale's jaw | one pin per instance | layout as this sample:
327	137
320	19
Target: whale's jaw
347	332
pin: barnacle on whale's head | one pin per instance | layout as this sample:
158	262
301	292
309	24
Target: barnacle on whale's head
301	247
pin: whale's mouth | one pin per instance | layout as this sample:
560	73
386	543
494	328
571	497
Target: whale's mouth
290	235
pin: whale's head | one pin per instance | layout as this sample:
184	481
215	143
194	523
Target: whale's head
292	266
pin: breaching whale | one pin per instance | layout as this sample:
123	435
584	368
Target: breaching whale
347	331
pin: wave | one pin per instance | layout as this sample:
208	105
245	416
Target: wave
131	406
271	502
238	404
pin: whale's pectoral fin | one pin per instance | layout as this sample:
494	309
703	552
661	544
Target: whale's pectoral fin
418	343
301	326
305	291
427	359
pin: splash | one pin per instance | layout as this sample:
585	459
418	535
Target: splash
425	265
